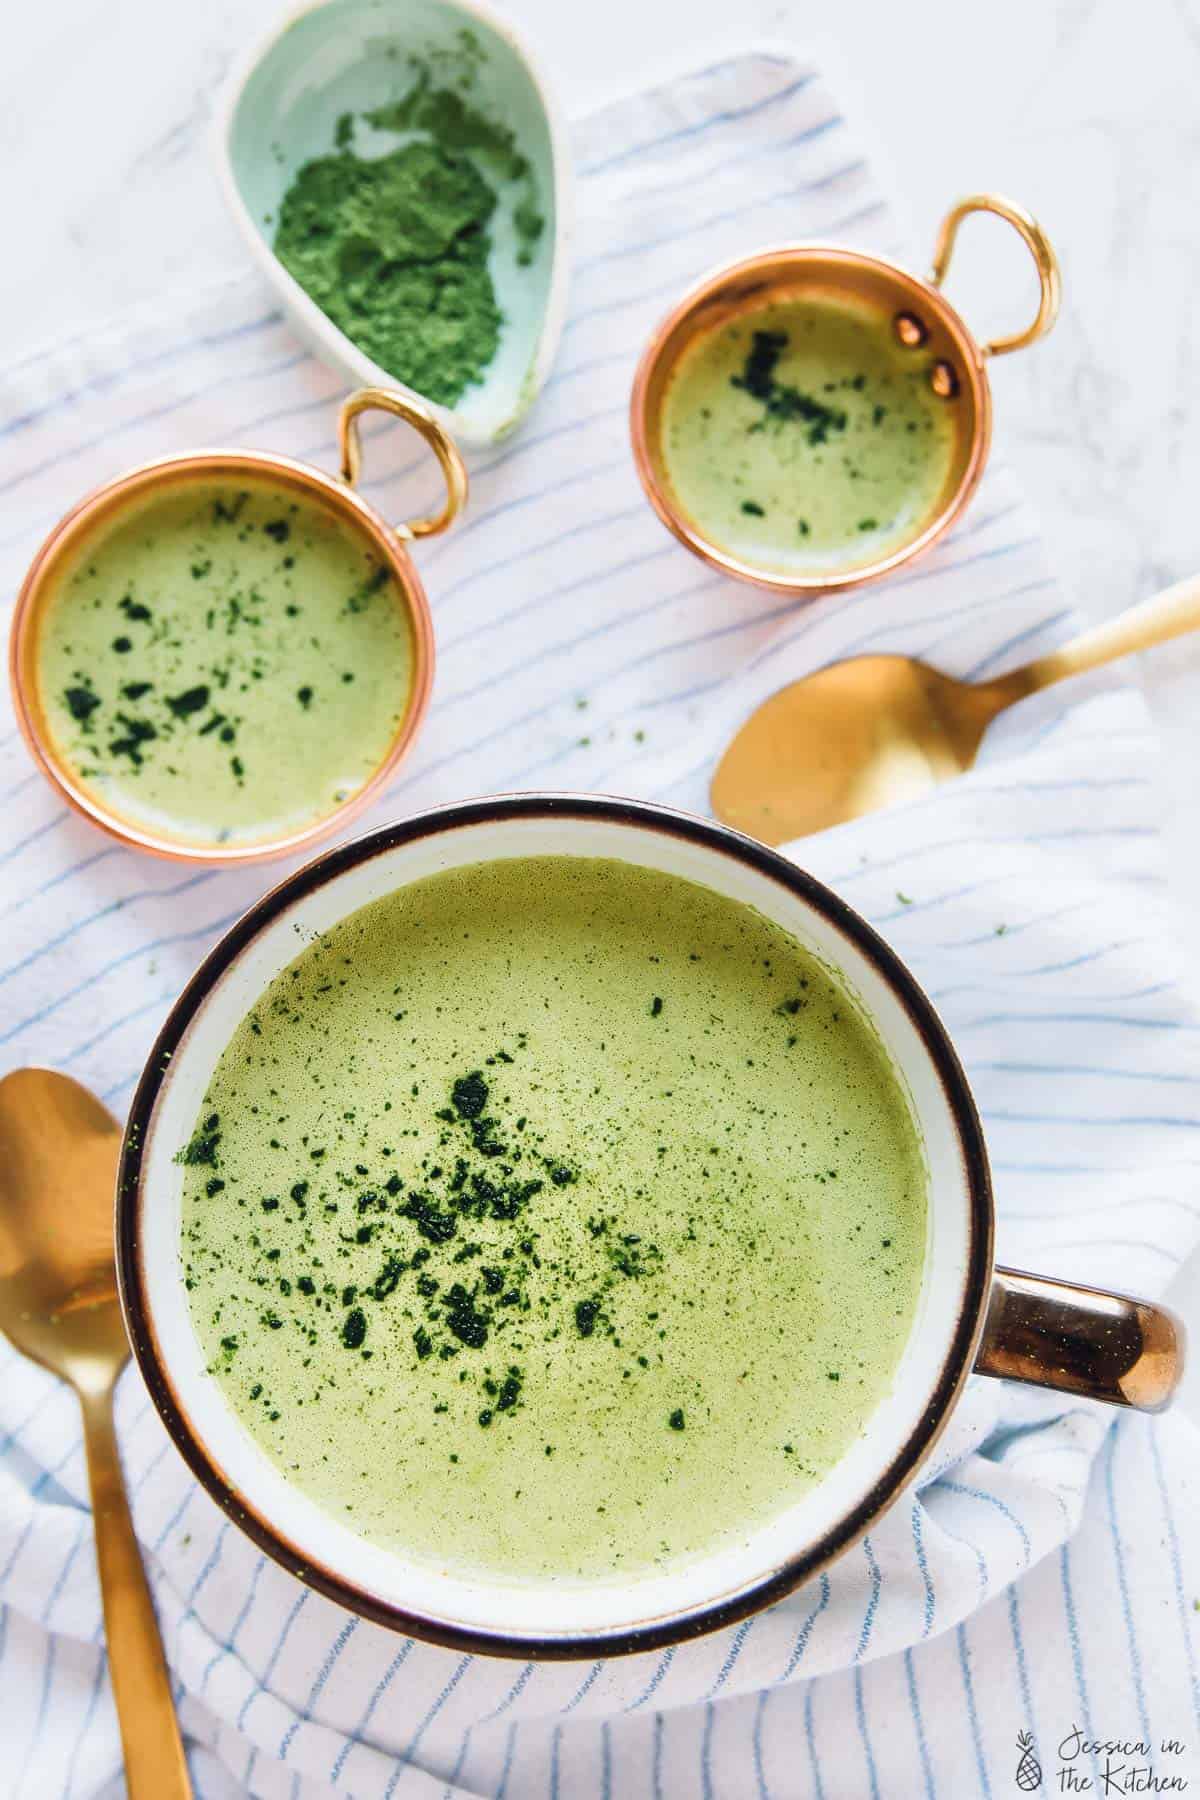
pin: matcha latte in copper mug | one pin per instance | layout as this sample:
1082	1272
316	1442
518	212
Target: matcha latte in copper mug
556	1226
221	656
814	416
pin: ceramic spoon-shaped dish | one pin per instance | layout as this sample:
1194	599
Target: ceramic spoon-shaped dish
281	109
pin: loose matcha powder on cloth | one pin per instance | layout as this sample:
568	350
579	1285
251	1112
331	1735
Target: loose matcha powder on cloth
395	248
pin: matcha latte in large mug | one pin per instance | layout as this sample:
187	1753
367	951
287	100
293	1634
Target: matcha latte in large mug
557	1226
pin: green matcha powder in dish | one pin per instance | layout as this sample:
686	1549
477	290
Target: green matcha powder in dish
395	248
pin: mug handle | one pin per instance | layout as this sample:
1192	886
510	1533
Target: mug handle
1081	1340
1040	248
435	435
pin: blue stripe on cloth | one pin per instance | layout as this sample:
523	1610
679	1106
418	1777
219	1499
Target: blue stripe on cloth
211	1564
1064	1565
1185	1614
810	1740
964	1665
969	1543
263	1686
1131	1641
805	1633
26	781
923	1566
797	1652
189	1495
39	1487
314	1693
32	837
786	194
414	1742
159	1003
151	416
359	1733
138	366
83	1531
68	874
510	1746
760	1774
39	1723
210	929
706	1774
514	1693
555	1743
582	315
726	116
605	522
1003	651
769	150
876	1587
590	1677
1184	1077
120	904
976	1493
97	1688
735	1650
459	1762
12	1436
860	1719
914	1707
227	1648
655	1681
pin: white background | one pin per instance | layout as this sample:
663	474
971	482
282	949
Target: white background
1085	110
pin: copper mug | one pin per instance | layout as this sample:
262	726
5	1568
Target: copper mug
334	493
921	317
970	1315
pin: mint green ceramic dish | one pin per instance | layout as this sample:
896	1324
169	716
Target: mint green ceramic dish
281	109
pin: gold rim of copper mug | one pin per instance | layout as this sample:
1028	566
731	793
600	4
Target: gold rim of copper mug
334	492
749	283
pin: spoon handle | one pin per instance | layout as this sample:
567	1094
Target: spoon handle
155	1768
1168	615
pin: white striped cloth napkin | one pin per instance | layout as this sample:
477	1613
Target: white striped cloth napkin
580	646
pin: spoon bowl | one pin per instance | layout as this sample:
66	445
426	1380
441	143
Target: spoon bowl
878	731
857	736
58	1305
58	1285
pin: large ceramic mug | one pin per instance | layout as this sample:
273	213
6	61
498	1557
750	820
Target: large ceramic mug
970	1315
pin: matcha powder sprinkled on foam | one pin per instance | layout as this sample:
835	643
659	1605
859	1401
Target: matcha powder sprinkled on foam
395	248
526	1273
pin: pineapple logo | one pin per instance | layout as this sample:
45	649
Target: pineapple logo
1029	1769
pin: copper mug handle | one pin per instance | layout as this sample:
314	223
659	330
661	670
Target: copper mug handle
430	428
1040	248
1081	1340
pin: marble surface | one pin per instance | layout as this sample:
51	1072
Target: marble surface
104	127
1077	108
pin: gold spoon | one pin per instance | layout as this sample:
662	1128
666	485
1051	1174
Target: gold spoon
878	730
58	1304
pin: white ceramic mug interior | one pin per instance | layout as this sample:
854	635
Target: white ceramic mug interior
563	1617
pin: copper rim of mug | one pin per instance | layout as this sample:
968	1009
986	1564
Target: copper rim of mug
264	1528
332	493
922	317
